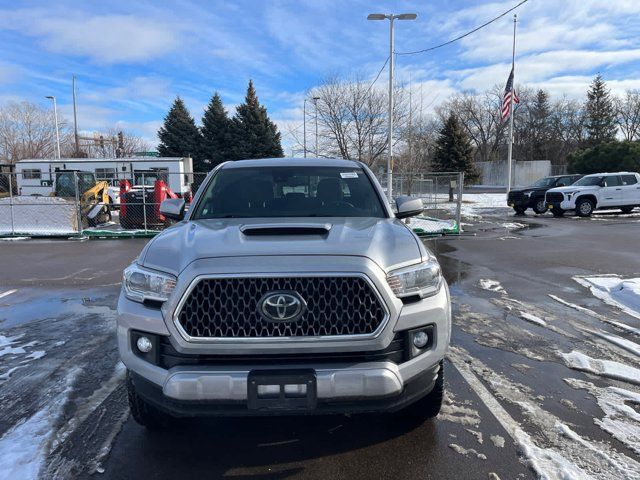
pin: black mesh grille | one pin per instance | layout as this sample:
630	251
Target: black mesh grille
228	308
554	197
516	196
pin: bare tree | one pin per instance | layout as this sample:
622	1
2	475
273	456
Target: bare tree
628	114
353	118
480	116
107	147
28	131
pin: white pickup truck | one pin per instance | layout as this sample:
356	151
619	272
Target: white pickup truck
596	192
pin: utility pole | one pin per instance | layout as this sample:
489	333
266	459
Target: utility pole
304	127
55	116
391	17
75	118
315	101
511	112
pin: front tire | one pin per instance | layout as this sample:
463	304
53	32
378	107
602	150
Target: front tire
142	412
626	209
428	406
584	207
540	206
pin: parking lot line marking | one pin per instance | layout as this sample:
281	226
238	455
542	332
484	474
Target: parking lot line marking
512	427
7	293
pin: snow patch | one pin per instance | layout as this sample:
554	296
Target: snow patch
476	434
621	420
513	225
452	412
497	440
605	368
23	447
533	319
491	285
467	451
620	325
614	290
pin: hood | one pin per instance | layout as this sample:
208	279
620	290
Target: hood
526	189
574	188
386	241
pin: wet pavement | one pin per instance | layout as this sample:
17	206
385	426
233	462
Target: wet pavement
512	410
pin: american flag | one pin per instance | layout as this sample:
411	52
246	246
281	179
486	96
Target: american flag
508	91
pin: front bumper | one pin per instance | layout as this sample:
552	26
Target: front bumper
412	391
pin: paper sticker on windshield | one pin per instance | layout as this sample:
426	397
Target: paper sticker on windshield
349	174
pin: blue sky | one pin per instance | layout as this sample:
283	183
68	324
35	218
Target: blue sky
132	58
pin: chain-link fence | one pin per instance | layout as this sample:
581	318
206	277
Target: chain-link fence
441	194
77	203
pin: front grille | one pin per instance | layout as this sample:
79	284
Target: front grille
554	197
515	197
228	308
396	352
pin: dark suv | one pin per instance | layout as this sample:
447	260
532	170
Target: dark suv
533	195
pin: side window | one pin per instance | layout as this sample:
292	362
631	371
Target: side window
629	180
612	181
564	182
31	174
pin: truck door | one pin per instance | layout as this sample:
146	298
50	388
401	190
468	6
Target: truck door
630	190
611	191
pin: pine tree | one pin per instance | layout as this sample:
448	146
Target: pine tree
540	115
254	135
179	136
601	114
453	151
216	133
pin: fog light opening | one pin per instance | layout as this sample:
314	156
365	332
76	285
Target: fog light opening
420	339
144	344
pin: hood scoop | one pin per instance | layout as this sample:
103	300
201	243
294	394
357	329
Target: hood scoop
276	229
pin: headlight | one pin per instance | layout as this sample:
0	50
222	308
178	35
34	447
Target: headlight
141	284
422	280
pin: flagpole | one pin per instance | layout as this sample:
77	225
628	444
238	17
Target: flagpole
511	112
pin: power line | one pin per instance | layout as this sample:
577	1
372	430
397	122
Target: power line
377	76
464	35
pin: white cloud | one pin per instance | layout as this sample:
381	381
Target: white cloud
102	38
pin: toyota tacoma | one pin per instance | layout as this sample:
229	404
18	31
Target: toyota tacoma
289	287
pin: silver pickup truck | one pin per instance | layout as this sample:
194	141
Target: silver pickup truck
289	287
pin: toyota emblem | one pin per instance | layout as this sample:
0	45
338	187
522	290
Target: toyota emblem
281	306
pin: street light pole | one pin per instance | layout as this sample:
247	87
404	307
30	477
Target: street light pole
55	116
315	101
304	127
391	17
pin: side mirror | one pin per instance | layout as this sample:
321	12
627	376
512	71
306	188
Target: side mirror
561	184
173	208
408	206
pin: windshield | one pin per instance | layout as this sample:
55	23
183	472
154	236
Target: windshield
544	182
261	192
588	181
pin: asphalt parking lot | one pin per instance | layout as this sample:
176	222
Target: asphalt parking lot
516	407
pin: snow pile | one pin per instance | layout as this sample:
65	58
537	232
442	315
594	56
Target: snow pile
605	368
616	291
26	215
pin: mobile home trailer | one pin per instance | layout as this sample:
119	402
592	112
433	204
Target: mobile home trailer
36	176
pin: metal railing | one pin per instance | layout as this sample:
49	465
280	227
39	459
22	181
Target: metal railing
441	194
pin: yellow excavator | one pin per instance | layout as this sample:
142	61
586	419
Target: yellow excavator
93	195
